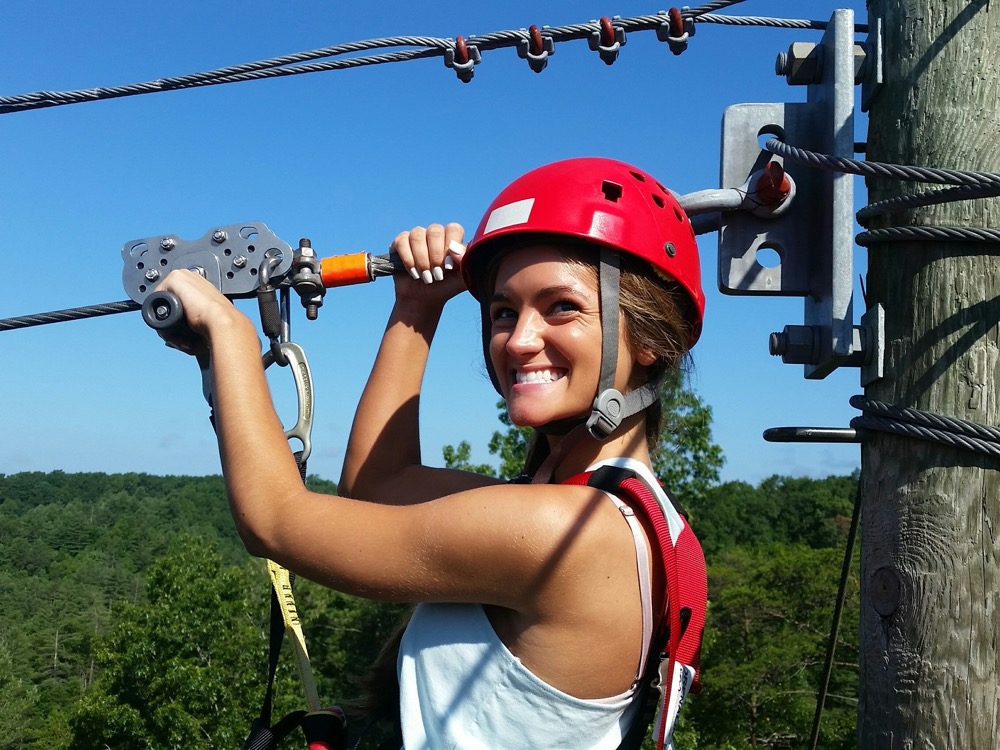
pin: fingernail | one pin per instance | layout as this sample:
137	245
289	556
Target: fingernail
437	273
449	264
456	248
415	274
427	277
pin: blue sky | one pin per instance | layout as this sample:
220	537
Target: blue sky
347	158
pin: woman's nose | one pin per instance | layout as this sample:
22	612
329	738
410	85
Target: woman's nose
526	337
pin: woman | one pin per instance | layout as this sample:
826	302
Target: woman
537	601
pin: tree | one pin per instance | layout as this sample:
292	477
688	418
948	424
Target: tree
511	445
18	699
184	669
686	460
765	641
459	458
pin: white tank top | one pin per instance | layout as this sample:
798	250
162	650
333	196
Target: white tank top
460	687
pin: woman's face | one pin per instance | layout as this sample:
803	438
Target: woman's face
545	340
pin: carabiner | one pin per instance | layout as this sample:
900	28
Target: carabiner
296	359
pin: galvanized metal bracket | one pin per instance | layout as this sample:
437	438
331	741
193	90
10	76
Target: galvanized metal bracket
813	240
873	70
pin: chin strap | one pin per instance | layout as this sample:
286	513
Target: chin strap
611	407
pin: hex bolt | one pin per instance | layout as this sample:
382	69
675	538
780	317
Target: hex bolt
306	248
801	65
240	261
167	243
152	274
219	236
796	345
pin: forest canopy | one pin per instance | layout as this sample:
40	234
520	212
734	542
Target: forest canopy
133	618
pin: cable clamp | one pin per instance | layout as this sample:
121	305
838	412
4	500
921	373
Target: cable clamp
307	279
536	48
607	40
462	58
675	29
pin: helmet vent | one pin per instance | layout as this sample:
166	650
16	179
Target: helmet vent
638	175
658	200
612	191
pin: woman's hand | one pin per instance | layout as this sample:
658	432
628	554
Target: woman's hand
432	255
206	311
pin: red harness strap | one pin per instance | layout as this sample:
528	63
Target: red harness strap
678	641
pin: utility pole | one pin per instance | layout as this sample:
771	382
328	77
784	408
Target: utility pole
930	567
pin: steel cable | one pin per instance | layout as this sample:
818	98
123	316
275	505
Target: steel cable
73	313
928	234
311	61
882	169
927	198
922	425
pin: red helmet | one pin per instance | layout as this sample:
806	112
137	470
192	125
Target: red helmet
603	201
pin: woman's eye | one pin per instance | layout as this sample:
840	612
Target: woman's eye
502	313
564	306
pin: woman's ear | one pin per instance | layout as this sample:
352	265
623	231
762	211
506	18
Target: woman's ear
645	357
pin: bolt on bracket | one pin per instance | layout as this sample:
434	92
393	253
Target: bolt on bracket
813	241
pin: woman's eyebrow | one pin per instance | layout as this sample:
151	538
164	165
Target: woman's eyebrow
545	291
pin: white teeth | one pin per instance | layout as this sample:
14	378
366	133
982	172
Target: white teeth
537	376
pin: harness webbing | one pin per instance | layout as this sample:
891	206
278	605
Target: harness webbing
679	638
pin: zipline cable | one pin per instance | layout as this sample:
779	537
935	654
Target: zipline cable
311	61
73	313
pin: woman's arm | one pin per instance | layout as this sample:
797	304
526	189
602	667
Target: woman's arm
383	461
526	548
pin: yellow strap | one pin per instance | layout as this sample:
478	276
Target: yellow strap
281	581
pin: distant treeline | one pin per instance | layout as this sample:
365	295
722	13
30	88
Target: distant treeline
131	617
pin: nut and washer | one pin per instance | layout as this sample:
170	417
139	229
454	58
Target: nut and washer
796	345
219	236
801	65
152	274
167	243
239	261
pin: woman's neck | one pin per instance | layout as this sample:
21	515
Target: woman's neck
580	452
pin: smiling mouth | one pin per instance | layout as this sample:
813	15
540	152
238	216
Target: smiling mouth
538	376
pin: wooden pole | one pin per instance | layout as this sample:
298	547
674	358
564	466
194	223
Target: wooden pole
930	568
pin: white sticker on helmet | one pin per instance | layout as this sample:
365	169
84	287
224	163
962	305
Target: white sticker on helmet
509	215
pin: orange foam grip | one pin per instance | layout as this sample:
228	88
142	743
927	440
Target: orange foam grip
342	270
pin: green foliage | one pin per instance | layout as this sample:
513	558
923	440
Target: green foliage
791	510
179	670
686	460
769	619
459	458
132	617
70	546
511	445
